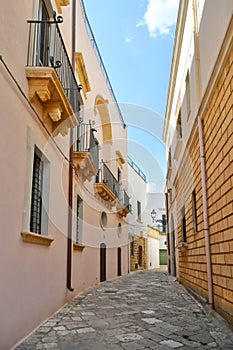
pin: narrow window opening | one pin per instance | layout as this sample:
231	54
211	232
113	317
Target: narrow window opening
139	214
187	92
179	125
183	218
194	205
132	247
79	219
36	198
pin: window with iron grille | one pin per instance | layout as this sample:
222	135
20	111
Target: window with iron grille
36	198
194	205
183	219
79	219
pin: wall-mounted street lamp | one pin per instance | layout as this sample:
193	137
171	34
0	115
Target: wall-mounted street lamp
158	221
153	215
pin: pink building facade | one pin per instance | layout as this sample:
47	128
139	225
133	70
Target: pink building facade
63	209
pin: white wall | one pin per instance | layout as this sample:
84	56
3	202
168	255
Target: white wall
153	253
155	201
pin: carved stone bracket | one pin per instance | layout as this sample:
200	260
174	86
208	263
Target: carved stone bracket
45	87
105	193
85	166
122	211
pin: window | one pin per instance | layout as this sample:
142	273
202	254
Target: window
43	31
79	219
194	206
132	247
139	217
36	199
183	221
164	222
39	194
187	94
103	219
179	126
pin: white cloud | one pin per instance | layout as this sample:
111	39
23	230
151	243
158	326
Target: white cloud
160	16
127	40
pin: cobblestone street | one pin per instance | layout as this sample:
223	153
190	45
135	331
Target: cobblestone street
142	310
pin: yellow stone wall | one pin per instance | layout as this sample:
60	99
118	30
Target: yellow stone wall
134	259
218	134
218	139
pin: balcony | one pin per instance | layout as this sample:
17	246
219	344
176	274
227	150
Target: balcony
124	206
136	168
86	152
107	185
51	79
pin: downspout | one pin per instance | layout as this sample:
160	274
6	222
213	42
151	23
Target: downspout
202	160
71	158
168	234
205	213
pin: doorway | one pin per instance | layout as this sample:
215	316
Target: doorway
140	256
119	262
102	262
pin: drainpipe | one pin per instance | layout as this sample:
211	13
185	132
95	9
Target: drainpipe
205	213
168	234
202	160
71	157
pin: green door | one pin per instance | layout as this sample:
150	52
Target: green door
163	256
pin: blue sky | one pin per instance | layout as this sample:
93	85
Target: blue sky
135	39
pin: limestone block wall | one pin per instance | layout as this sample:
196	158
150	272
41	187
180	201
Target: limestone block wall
218	140
192	259
218	134
135	258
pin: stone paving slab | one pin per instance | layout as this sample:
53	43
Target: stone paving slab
142	310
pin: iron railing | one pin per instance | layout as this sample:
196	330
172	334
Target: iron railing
99	58
46	48
85	141
105	176
126	202
136	168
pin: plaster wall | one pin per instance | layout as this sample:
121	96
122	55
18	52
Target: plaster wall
33	277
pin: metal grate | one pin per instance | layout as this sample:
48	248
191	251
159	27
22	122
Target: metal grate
36	202
87	142
105	176
79	201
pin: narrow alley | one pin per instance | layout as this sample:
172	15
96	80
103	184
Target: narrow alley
141	310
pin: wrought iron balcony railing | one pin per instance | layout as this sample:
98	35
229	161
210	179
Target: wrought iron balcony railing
46	48
85	141
136	168
126	201
106	177
123	207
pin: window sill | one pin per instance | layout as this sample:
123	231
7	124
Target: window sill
183	246
35	238
78	246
